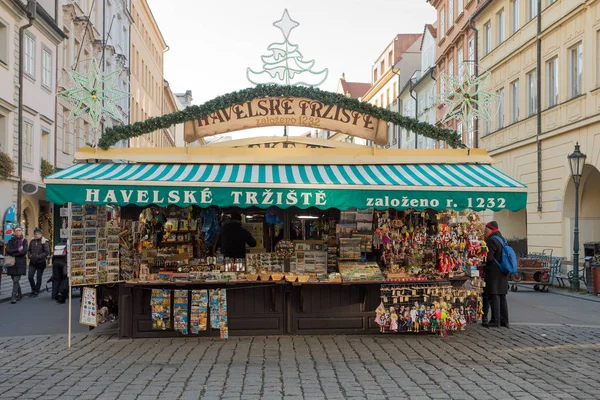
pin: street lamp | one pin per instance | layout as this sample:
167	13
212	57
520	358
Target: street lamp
576	162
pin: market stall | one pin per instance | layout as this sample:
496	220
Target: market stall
349	239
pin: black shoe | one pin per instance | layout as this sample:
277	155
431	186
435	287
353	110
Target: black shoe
13	301
33	294
504	326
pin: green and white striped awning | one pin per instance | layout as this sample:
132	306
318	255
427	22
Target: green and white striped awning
419	186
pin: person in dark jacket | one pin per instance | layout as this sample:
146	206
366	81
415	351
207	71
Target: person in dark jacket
233	238
17	247
496	281
38	252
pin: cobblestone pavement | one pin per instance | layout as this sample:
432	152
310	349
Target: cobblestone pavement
537	362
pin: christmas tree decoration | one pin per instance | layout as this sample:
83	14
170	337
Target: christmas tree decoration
466	97
285	64
94	95
113	135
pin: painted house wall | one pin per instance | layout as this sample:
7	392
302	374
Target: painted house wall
565	24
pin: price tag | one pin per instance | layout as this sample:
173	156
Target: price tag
64	233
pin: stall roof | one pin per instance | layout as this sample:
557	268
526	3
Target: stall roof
284	151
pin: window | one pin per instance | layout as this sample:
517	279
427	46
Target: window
66	148
451	68
374	74
390	58
387	96
28	143
395	93
487	125
532	9
29	56
46	68
3	42
514	5
487	38
550	2
442	87
4	134
597	58
514	101
45	144
442	23
500	18
78	134
471	60
382	66
459	6
460	65
450	13
470	133
575	70
459	128
532	93
500	94
552	67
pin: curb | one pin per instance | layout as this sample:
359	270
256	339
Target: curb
565	293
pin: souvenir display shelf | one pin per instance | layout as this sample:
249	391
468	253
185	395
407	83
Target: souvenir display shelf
165	253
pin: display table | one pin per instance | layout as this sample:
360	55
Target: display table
263	308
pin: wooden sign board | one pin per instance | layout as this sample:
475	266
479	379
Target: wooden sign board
288	111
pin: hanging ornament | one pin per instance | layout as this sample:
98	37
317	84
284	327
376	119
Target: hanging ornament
285	64
94	95
466	96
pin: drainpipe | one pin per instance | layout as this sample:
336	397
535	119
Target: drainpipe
539	104
476	71
31	13
415	97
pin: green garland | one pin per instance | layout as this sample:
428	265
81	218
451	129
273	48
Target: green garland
115	134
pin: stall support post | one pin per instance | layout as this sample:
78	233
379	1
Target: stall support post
70	222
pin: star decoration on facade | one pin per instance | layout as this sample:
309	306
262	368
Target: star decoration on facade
466	97
94	95
286	24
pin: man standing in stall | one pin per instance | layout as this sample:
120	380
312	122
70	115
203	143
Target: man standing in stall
496	281
233	238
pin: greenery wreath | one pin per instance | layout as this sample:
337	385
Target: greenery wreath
115	134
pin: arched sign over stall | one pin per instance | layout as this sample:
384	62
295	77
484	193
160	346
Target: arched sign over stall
288	111
278	105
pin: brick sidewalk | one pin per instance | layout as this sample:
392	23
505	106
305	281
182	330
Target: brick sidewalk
539	362
6	284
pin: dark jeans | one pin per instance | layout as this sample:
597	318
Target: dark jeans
39	271
499	309
16	291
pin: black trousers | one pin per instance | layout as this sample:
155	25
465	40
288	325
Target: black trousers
499	308
33	271
485	305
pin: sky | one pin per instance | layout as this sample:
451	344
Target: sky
212	43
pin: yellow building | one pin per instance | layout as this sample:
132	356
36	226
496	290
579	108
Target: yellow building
533	130
147	74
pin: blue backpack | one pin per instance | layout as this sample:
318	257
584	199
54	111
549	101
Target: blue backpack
508	263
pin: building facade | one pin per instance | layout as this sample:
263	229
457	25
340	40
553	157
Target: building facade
41	45
147	75
418	95
548	103
455	55
91	37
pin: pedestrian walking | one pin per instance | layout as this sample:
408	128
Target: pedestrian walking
17	248
496	281
39	249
